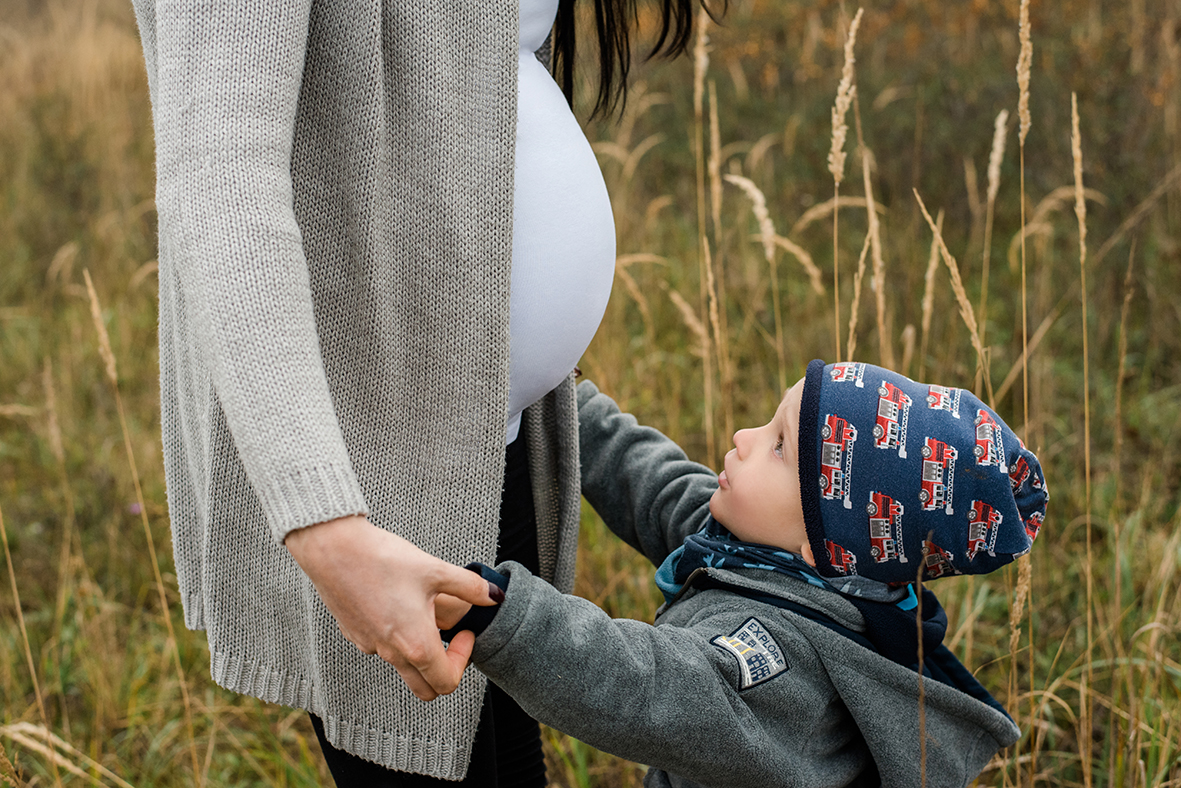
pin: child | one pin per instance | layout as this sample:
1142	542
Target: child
787	649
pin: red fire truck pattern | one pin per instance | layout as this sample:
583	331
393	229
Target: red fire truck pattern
893	415
944	398
885	528
841	559
836	458
989	450
938	479
937	561
1018	473
848	372
983	526
1033	524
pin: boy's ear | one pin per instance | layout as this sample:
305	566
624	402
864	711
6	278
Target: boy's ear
806	553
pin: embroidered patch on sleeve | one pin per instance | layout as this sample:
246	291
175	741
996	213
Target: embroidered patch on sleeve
759	657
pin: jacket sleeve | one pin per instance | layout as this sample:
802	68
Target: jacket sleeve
226	80
640	482
660	695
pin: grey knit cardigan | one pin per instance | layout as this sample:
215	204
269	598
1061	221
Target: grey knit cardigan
335	191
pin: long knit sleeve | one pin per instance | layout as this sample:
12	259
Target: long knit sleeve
225	95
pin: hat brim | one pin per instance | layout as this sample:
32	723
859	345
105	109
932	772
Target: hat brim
809	466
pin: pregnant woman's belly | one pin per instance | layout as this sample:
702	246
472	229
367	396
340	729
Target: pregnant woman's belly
563	230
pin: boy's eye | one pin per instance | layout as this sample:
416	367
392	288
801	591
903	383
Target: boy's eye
779	447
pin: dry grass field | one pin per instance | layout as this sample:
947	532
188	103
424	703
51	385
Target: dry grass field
735	268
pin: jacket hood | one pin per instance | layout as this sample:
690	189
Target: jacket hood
964	727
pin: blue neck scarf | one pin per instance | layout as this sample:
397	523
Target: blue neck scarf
714	546
889	611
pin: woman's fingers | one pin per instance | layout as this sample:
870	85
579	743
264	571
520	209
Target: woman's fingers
383	592
441	678
460	650
449	610
466	585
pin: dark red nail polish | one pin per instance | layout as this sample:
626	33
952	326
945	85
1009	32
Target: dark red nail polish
496	592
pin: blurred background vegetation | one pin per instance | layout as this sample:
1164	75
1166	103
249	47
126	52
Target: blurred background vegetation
1096	679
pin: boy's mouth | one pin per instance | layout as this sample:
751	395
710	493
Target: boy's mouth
723	482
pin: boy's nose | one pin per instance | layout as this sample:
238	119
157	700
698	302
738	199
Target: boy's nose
742	441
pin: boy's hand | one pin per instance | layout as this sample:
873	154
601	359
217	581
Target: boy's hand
382	590
449	610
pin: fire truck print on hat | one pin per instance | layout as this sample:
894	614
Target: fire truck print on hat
943	483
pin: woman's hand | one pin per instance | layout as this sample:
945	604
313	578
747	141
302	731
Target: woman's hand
384	593
449	610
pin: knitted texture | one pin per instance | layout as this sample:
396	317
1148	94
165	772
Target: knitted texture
896	474
334	193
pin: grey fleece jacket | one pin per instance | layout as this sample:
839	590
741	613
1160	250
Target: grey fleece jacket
827	711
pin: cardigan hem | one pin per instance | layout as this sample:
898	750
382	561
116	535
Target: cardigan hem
403	753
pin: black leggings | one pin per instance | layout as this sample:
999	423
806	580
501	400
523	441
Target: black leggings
507	750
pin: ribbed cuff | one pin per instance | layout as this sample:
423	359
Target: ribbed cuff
307	496
479	617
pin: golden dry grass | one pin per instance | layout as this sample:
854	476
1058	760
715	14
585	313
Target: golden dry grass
703	332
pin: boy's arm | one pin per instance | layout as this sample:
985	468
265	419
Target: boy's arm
663	696
640	482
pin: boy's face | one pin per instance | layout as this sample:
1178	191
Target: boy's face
758	495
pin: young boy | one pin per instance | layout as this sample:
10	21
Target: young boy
786	652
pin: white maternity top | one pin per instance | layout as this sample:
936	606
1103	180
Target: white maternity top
563	230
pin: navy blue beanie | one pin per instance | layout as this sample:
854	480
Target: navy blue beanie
895	473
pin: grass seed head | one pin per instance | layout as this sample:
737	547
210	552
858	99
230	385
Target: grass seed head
759	206
1080	202
997	155
104	341
846	91
1024	62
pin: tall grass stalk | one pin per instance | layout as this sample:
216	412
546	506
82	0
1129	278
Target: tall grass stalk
719	339
1080	211
1016	611
1024	62
57	449
767	236
717	313
995	159
928	301
908	334
108	356
20	618
1031	347
1117	508
885	346
846	90
855	306
957	287
1118	419
705	269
